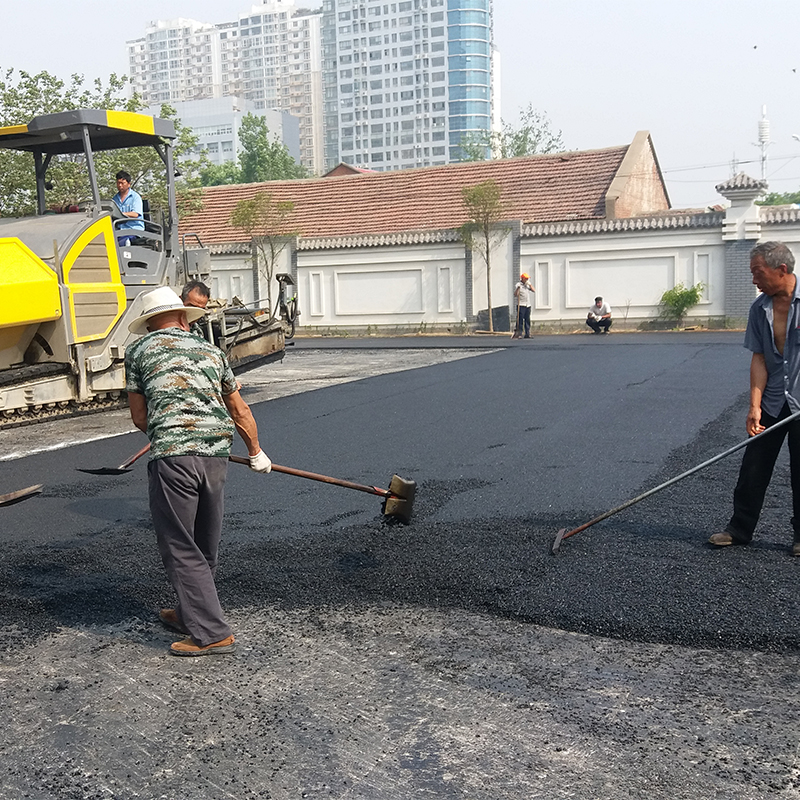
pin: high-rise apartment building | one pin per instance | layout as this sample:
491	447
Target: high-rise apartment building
271	55
405	82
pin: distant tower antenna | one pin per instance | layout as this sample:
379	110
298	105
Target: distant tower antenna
763	140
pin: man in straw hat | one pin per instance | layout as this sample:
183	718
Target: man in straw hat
184	396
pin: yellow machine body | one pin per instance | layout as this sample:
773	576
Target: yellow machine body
96	294
28	287
72	276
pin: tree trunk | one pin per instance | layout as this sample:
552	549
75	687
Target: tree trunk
489	278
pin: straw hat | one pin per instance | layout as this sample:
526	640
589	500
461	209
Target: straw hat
157	302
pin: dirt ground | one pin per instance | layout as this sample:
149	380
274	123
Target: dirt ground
452	658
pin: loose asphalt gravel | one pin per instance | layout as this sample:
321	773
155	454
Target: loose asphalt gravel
451	658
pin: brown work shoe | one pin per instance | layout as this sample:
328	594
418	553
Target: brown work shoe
187	647
170	618
796	549
723	539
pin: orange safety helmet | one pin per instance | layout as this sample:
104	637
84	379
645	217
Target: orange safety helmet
524	276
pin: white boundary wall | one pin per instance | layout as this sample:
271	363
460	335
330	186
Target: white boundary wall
420	285
410	285
629	271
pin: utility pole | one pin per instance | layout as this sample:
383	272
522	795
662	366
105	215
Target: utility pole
763	140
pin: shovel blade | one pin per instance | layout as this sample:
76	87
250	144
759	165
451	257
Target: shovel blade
401	505
557	542
105	471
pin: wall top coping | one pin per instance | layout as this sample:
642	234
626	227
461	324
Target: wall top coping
378	239
777	214
669	221
341	242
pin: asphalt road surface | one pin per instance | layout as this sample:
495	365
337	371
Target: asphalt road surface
450	658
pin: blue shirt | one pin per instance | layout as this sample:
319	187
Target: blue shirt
132	202
783	371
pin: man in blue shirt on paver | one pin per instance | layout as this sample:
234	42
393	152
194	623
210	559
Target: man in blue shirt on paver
130	204
773	336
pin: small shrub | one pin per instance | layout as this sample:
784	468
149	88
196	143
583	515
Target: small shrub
675	302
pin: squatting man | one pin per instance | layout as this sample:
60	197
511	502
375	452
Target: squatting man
183	394
773	337
599	317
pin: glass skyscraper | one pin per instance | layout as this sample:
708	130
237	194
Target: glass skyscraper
404	82
469	71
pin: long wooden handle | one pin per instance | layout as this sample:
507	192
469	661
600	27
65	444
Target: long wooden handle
314	476
136	457
11	497
629	503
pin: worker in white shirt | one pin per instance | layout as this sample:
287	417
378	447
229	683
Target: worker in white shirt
599	319
523	292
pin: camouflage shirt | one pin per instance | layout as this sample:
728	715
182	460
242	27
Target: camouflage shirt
183	379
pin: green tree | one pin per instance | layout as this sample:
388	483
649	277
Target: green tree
263	158
779	199
485	209
267	224
24	95
533	136
223	174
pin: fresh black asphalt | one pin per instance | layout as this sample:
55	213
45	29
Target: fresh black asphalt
506	447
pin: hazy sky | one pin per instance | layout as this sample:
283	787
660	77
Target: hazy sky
695	73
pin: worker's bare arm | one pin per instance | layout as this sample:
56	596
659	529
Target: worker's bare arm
138	408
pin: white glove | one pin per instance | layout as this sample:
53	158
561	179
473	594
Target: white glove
260	462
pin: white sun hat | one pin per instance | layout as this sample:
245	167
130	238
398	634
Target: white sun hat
157	302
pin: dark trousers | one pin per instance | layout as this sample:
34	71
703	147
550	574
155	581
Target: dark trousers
756	472
597	324
186	502
524	320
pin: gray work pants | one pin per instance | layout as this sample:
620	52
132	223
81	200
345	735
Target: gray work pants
186	502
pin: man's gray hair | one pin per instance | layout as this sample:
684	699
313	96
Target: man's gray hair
774	254
191	286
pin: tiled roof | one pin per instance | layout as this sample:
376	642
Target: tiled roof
741	182
548	188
